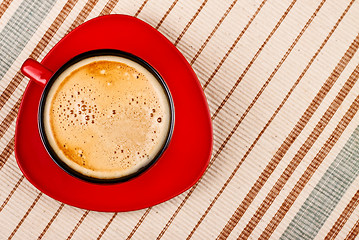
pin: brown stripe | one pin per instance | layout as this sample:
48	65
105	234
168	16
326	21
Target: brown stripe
198	53
78	224
166	14
240	120
258	52
53	29
110	5
251	194
3	6
107	225
10	117
178	209
37	51
212	33
223	144
343	218
315	163
106	10
51	221
296	130
6	153
287	173
85	11
139	223
353	232
10	88
26	214
12	192
44	42
35	54
18	78
6	94
255	189
190	22
179	38
40	47
233	45
140	9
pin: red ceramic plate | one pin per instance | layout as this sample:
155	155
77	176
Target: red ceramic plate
182	164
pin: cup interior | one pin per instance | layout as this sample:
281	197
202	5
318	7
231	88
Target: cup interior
49	85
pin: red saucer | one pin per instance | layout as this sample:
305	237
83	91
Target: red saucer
182	164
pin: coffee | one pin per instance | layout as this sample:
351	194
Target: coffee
107	117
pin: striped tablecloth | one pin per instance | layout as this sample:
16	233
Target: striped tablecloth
280	77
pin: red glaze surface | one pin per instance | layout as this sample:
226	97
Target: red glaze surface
182	164
36	71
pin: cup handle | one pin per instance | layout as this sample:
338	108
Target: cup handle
36	71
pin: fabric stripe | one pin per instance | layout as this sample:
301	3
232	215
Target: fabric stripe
343	218
313	106
197	54
10	117
212	33
178	39
5	154
139	223
233	45
353	232
108	7
83	14
251	195
79	20
327	193
229	94
112	218
10	88
21	27
40	48
249	107
166	14
190	22
24	217
313	165
140	9
287	173
106	227
57	218
58	21
51	221
17	79
12	192
3	6
42	44
78	224
195	185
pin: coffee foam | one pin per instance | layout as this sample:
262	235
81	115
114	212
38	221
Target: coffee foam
106	117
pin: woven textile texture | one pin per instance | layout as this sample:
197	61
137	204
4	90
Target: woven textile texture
281	81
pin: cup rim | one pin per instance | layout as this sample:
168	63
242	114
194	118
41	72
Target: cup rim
78	58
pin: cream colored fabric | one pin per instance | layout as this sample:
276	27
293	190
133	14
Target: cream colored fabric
280	78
